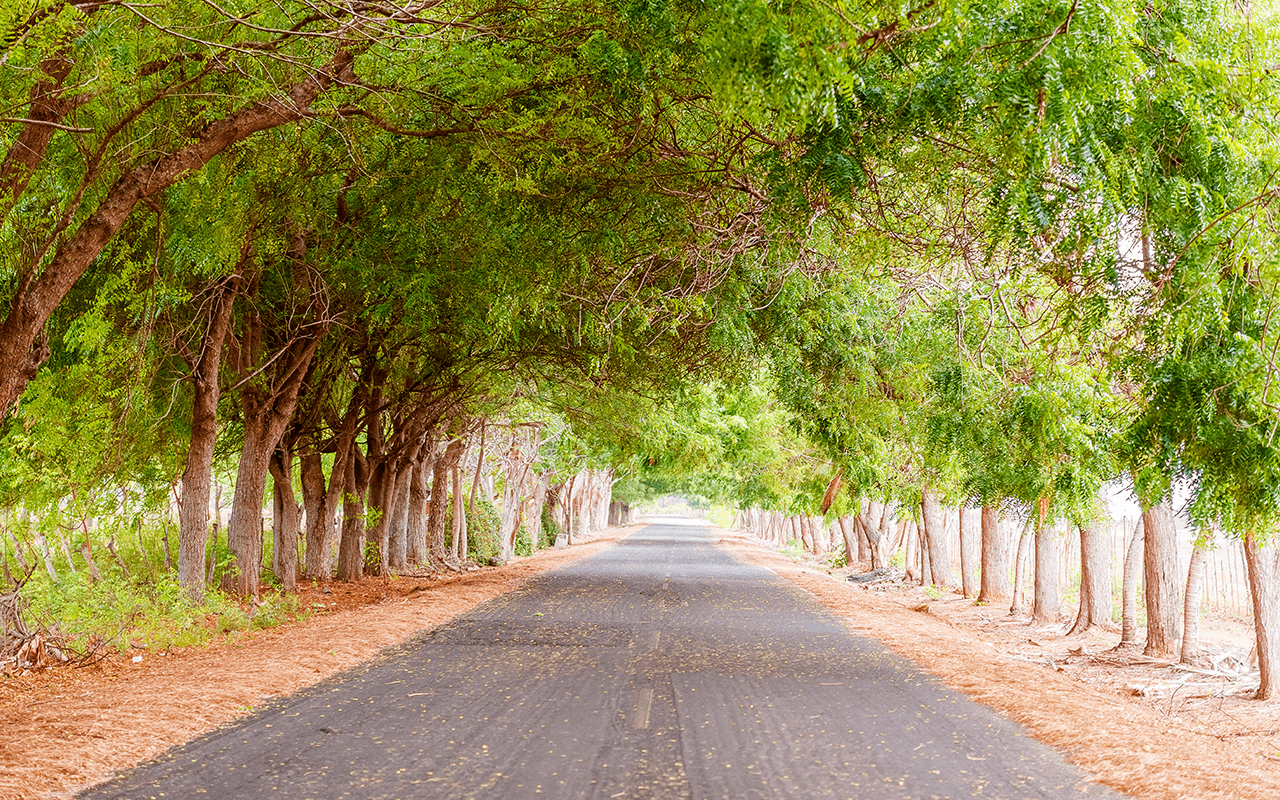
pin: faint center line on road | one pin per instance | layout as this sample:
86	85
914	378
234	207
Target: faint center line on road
640	716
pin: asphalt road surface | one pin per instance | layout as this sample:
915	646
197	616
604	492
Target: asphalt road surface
659	668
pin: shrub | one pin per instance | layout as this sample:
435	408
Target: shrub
156	615
524	541
483	523
550	529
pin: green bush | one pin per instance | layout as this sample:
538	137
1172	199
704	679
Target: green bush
524	541
157	615
550	530
483	523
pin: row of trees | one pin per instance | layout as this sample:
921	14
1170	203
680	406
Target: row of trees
330	244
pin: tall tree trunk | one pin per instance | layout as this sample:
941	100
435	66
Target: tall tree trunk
193	514
319	520
475	483
581	515
42	546
440	502
911	540
996	547
286	543
863	537
568	499
922	549
1019	606
513	495
244	529
535	517
851	539
1191	603
1048	597
1264	586
419	498
935	534
351	544
1132	574
806	535
322	502
419	494
398	535
382	485
1160	579
267	410
461	547
970	550
1095	580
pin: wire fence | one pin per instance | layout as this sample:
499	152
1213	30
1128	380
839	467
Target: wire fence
1226	577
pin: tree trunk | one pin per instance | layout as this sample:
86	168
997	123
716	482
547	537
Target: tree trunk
852	540
311	477
193	513
42	547
996	546
351	545
321	501
47	105
277	512
935	535
580	508
267	409
461	547
1264	586
419	493
244	529
911	541
1019	606
398	535
286	543
1191	604
475	482
419	501
570	501
1095	581
382	484
970	550
922	549
1048	597
1160	580
440	502
512	494
86	552
805	535
536	503
861	534
1132	574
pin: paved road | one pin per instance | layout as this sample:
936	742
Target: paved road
656	669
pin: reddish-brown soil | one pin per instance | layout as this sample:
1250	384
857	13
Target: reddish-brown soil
1127	720
66	728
